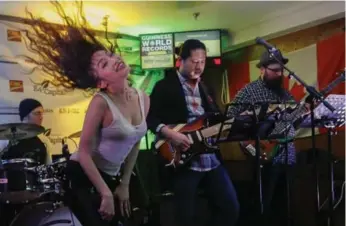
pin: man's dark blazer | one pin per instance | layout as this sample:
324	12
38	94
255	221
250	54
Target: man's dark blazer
168	104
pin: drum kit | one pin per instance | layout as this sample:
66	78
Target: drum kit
34	191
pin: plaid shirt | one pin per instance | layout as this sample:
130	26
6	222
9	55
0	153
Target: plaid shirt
204	162
256	92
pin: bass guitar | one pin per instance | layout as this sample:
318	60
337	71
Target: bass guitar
197	134
268	147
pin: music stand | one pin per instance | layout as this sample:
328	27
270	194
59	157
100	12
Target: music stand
324	118
249	127
323	114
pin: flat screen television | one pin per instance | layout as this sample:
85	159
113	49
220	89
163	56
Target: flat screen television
157	51
211	39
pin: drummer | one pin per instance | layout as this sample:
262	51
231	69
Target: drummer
37	148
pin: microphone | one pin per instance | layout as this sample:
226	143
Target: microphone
261	41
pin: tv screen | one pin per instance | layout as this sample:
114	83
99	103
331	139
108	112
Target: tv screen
157	51
211	39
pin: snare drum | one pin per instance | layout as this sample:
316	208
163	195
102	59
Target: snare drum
17	183
45	213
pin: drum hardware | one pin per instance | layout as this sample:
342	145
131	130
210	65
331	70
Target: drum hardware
70	137
25	184
37	209
13	132
18	185
75	135
22	181
45	213
55	205
65	149
3	151
50	177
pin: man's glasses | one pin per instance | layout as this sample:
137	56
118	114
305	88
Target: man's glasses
37	113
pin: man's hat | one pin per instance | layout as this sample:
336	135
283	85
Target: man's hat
267	59
26	106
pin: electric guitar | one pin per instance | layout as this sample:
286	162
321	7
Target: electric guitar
197	134
268	147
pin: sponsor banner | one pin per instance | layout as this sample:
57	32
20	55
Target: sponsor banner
157	51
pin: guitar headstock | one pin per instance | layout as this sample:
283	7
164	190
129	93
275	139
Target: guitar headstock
342	74
339	79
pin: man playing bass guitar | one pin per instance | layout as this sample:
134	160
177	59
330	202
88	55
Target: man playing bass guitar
181	98
269	88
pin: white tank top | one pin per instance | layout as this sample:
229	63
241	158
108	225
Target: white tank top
114	143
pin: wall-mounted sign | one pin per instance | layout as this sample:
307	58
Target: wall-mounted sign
157	51
13	36
16	86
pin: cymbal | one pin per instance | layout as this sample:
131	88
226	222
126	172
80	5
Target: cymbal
76	134
19	131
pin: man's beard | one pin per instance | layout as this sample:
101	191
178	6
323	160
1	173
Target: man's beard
274	84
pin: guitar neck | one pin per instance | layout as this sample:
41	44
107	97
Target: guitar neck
296	114
334	83
215	129
301	109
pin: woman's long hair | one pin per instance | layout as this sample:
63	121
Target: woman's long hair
65	51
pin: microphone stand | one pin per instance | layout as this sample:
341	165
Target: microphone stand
310	89
331	197
319	97
258	168
288	187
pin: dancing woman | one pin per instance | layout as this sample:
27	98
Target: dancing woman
114	123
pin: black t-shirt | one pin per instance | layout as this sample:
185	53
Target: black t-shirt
32	148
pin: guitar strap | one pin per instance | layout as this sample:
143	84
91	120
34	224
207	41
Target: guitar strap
214	108
212	104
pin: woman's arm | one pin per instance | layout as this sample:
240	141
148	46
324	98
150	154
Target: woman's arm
130	164
92	124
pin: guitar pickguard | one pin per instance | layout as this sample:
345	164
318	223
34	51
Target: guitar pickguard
200	145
